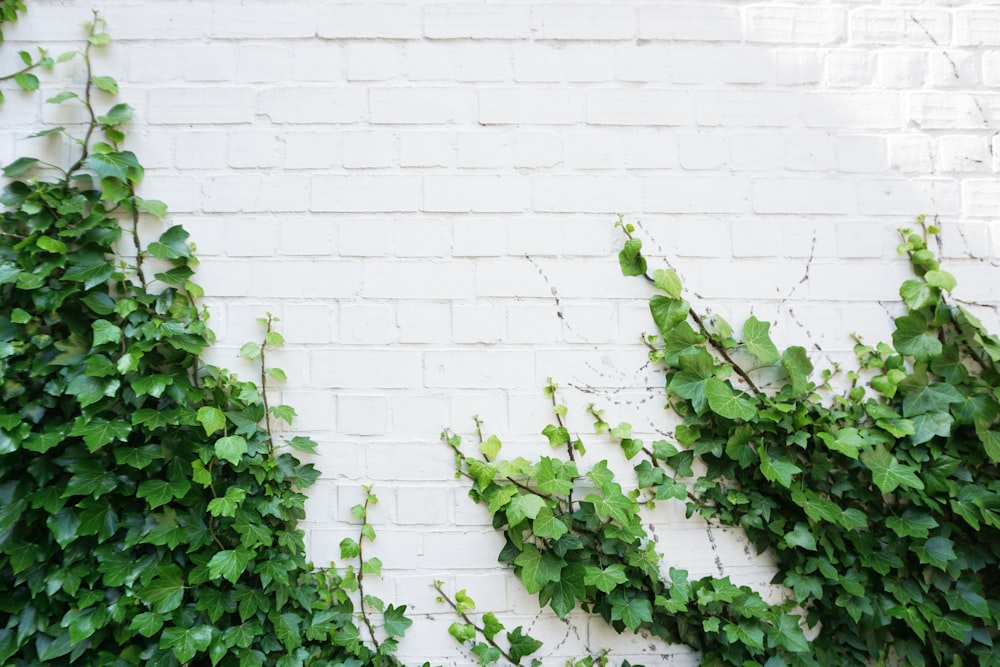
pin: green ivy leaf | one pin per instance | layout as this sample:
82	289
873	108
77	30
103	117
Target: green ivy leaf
485	653
888	473
668	281
668	312
546	524
231	448
912	338
521	644
630	259
491	626
800	536
940	279
605	579
917	294
462	632
758	342
557	435
99	432
524	506
728	403
395	622
776	469
121	165
19	167
490	447
147	623
632	611
184	642
165	592
229	564
538	568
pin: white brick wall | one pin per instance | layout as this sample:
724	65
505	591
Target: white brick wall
424	192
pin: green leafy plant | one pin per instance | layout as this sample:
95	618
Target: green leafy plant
148	513
486	650
880	501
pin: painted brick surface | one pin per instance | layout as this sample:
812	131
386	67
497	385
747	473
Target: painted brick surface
424	193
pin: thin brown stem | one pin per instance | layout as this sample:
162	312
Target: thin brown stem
479	629
361	572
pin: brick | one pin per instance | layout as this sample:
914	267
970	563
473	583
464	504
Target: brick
426	149
594	150
369	149
361	415
478	237
284	278
424	505
479	21
421	413
795	25
423	322
417	280
311	150
647	62
696	194
303	323
537	149
980	197
264	63
313	104
478	323
478	369
480	194
888	196
359	368
217	104
853	109
885	26
601	194
373	61
911	153
424	61
589	62
484	149
230	193
690	22
363	238
853	68
539	63
253	148
581	21
650	149
964	153
369	21
795	67
419	238
945	111
535	323
406	462
409	106
800	195
860	153
702	151
954	69
902	69
208	62
365	193
701	64
371	323
317	62
483	62
554	106
638	107
748	108
263	21
977	26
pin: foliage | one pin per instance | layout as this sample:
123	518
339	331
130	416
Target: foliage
486	650
147	515
880	502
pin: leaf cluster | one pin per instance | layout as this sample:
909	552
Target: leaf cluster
147	515
879	501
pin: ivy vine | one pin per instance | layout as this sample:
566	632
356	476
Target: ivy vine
148	514
879	502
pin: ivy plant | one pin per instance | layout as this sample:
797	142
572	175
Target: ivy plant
148	513
878	496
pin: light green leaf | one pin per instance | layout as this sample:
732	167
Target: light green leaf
668	312
758	342
916	294
668	281
630	259
941	279
728	403
546	524
605	579
19	166
211	418
490	447
231	448
912	338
